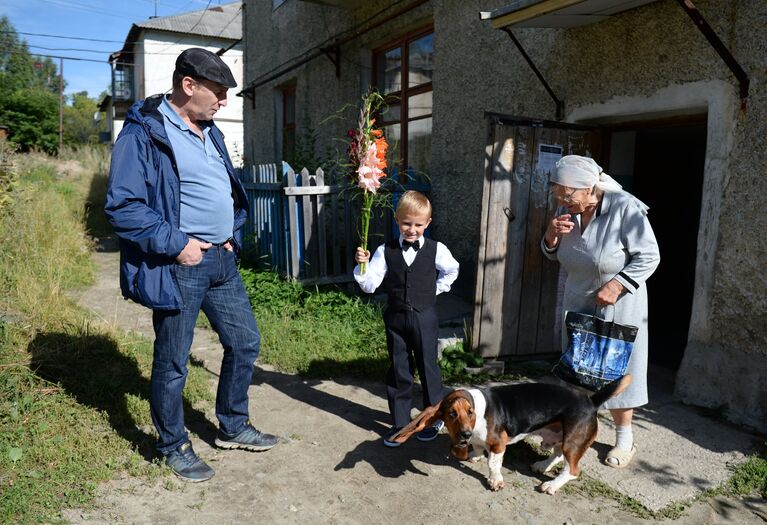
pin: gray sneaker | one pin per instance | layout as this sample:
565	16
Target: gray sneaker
187	465
248	439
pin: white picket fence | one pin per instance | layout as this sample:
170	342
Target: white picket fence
304	228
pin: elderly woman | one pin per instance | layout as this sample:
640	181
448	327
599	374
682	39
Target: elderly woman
601	236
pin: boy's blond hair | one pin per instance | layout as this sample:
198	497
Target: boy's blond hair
413	203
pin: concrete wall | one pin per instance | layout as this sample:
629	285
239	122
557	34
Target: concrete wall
649	61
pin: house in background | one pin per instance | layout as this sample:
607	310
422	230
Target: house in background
667	95
144	66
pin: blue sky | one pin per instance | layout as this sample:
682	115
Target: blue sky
80	20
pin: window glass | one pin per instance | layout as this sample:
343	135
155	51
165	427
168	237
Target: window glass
290	106
391	113
407	119
390	71
421	60
289	124
419	145
419	105
393	136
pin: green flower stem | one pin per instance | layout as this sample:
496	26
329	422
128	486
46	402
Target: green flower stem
367	204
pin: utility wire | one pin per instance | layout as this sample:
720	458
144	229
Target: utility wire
66	37
68	49
91	50
57	56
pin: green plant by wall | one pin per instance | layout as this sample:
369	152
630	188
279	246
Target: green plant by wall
455	359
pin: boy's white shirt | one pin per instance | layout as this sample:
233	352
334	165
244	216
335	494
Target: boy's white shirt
447	267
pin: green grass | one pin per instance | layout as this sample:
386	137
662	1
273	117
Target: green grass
316	332
751	476
73	395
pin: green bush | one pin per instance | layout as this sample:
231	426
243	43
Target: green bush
455	359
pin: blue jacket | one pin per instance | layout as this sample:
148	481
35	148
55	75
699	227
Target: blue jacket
143	207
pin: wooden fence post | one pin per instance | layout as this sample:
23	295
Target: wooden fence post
295	248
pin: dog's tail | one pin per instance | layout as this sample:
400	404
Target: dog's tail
610	390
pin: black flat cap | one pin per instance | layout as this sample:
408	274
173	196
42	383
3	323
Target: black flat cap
201	63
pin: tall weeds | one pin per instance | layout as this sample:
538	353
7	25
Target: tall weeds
73	394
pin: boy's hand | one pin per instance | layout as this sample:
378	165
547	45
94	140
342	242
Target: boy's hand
362	256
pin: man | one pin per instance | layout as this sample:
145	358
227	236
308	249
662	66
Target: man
178	211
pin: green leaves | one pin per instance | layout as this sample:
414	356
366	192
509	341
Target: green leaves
29	99
15	454
455	360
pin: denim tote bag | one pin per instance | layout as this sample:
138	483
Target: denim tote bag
597	353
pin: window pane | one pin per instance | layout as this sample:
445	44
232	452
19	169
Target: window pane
393	136
391	113
290	106
289	145
421	60
419	145
419	105
390	71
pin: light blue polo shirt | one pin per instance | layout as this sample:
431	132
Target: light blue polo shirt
207	206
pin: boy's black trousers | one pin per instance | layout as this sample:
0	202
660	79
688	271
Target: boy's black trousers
411	338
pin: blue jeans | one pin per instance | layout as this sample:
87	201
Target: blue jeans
215	287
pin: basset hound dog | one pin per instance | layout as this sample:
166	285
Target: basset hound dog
498	416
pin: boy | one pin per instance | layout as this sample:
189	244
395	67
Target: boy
413	270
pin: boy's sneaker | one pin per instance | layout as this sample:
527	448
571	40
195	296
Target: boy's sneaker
248	439
387	437
187	465
430	433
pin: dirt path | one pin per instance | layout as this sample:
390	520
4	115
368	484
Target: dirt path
331	466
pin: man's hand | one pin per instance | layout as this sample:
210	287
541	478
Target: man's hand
191	255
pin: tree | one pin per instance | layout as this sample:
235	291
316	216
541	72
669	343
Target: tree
80	127
32	118
28	93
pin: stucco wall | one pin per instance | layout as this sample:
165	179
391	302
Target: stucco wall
647	59
325	104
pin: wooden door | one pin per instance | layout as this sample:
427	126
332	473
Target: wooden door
517	287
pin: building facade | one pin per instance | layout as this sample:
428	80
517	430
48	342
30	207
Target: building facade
679	123
145	64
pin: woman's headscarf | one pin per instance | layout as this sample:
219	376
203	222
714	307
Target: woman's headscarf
579	172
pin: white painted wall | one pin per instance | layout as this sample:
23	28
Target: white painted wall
154	75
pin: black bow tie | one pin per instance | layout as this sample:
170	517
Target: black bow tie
407	244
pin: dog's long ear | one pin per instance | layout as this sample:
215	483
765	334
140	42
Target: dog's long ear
424	419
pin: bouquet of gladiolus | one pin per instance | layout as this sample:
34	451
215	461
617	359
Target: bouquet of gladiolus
367	156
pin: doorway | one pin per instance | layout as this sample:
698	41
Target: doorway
662	163
515	307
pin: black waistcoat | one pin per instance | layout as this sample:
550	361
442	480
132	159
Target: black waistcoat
411	287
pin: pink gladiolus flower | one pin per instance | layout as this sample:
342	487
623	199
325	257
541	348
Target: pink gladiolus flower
369	174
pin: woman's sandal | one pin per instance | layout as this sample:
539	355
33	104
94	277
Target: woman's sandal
618	458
